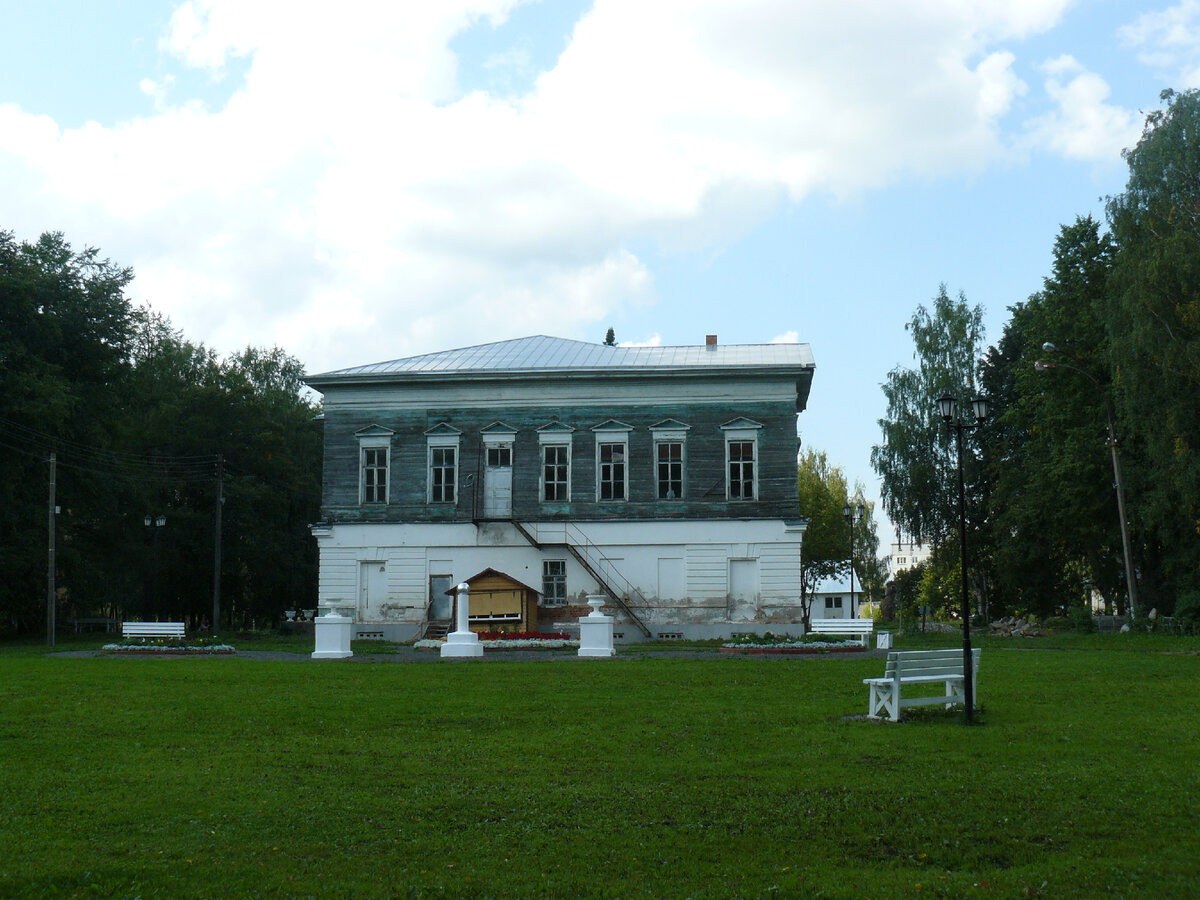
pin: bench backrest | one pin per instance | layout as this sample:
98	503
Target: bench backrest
914	663
842	626
152	629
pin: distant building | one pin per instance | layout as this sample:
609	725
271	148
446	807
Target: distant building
664	477
906	555
833	599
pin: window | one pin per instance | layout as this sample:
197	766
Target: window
741	470
374	474
442	461
499	456
374	461
741	459
669	436
669	462
556	473
833	602
610	463
554	582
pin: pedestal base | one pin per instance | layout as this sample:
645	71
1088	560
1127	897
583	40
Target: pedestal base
333	637
462	644
596	636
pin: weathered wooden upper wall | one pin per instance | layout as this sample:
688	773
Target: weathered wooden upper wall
704	456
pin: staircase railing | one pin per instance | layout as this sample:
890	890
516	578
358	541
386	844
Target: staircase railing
620	590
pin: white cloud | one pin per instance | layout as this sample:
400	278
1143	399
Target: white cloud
350	203
788	337
652	341
1169	42
1083	127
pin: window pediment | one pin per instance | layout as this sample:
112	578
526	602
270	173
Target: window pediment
374	431
741	424
670	425
443	429
612	425
497	428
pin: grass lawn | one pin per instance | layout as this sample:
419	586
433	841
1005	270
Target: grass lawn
636	776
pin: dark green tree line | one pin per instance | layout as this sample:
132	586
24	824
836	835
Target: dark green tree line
137	416
1122	311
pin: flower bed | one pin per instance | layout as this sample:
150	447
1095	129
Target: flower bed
194	648
786	643
796	648
520	640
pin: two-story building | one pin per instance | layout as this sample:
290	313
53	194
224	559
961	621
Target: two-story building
664	477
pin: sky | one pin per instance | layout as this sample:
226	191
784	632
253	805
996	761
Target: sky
364	181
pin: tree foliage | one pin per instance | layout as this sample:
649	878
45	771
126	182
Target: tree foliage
1154	330
823	494
137	417
1055	531
916	460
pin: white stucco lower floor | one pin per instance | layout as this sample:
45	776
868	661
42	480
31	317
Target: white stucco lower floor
687	579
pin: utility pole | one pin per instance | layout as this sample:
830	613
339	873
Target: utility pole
51	591
216	619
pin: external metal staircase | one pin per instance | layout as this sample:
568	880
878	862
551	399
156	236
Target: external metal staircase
567	536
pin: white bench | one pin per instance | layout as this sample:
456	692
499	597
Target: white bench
860	628
915	667
152	630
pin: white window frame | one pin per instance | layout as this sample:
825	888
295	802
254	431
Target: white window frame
547	600
375	442
744	432
615	434
618	485
557	439
442	442
677	434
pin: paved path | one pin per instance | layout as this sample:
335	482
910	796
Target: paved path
410	655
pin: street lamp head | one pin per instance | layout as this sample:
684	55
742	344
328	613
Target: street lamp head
1050	347
1041	365
862	511
947	407
979	406
846	511
161	521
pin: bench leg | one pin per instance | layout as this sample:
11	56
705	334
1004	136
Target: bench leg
884	698
954	694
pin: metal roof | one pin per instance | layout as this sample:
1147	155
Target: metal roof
542	354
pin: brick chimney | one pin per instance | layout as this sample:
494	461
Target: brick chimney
710	341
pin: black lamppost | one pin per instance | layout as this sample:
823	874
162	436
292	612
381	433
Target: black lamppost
156	522
853	514
948	409
1130	581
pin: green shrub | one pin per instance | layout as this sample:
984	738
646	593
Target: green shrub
1082	619
1187	605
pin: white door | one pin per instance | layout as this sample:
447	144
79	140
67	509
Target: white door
372	589
670	579
497	482
743	580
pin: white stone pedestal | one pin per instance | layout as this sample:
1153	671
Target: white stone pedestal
596	630
883	640
333	636
462	642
